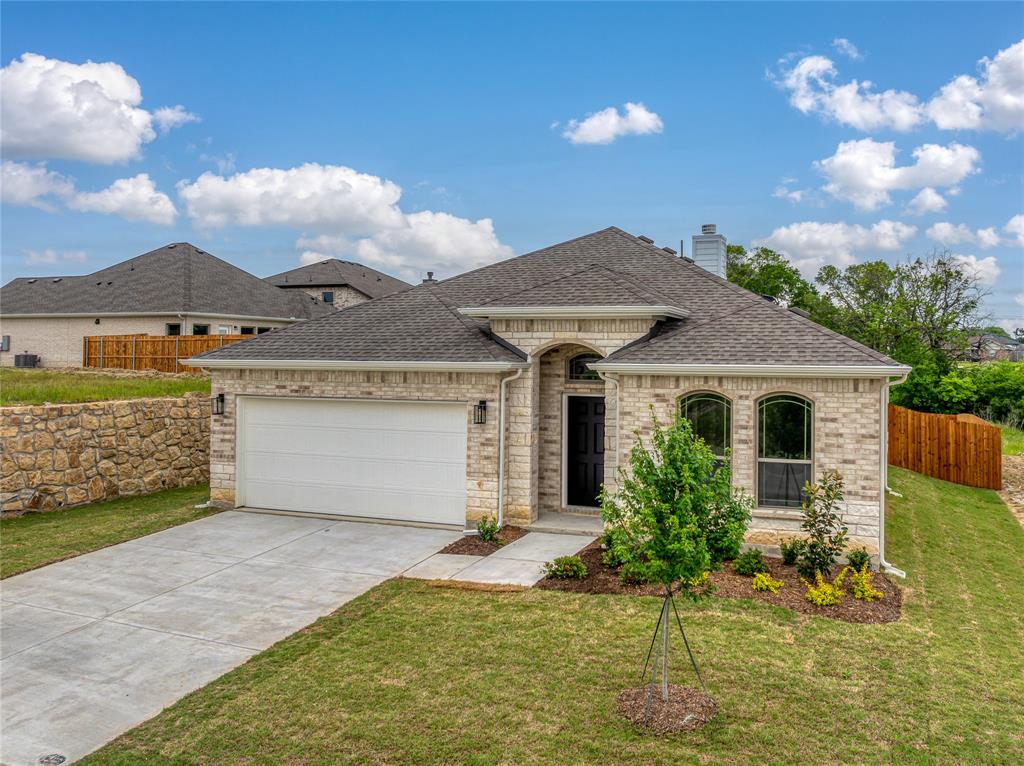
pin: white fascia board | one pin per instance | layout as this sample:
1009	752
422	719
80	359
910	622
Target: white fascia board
368	366
203	314
581	312
756	370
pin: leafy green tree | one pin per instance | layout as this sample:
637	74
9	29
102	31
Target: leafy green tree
767	272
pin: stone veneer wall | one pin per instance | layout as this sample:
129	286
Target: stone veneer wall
846	437
481	442
63	455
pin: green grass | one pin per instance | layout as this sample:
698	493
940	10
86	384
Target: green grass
1013	440
41	387
30	541
415	674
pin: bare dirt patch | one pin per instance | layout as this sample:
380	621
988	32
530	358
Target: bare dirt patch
728	584
687	709
472	545
1013	485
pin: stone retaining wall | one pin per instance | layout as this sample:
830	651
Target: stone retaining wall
61	455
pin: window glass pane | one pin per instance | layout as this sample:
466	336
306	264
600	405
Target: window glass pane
784	426
328	296
711	418
780	485
174	329
578	367
200	329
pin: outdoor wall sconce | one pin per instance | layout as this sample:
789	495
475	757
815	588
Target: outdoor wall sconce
217	404
480	412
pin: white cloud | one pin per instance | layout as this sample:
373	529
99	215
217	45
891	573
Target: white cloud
311	196
782	191
135	199
169	117
50	257
813	89
1019	299
864	172
992	101
88	112
24	184
225	165
848	49
1015	228
947	235
605	126
927	201
985	270
812	244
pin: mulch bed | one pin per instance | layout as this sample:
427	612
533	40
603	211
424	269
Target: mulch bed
687	709
472	545
728	584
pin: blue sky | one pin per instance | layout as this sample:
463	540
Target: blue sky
417	137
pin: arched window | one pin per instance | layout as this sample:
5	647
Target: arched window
578	367
785	427
711	417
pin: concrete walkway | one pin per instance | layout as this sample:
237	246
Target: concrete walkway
95	645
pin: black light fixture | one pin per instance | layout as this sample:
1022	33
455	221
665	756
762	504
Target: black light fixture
217	404
480	412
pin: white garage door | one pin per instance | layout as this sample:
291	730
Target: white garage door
379	459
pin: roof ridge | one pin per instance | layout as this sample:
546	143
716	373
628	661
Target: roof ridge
478	333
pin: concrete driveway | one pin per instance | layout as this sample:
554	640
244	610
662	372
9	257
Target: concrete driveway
95	645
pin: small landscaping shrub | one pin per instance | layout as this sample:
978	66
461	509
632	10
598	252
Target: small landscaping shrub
765	583
750	563
611	549
487	528
826	535
823	592
566	568
861	582
858	559
791	550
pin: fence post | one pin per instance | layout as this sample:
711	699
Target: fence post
134	338
177	342
101	352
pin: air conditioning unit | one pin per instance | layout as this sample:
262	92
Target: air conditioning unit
26	360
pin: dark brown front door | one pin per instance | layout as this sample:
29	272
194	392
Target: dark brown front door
584	453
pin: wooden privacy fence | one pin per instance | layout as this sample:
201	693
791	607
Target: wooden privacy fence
960	448
149	352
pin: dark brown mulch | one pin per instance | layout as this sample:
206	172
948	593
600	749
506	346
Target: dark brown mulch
687	709
728	584
472	545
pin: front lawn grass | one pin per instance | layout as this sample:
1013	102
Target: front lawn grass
29	541
41	387
1013	440
415	674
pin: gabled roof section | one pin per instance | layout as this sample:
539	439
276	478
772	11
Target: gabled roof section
177	278
594	285
335	273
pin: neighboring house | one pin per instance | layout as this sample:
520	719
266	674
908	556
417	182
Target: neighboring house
515	390
989	347
175	290
339	283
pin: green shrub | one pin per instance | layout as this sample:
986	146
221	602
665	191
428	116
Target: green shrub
750	563
790	550
826	535
611	546
862	585
566	568
823	592
858	558
765	583
487	529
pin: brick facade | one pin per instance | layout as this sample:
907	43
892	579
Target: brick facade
344	296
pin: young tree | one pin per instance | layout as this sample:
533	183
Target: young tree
673	519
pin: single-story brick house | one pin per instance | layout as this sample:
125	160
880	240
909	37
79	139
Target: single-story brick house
177	289
339	283
515	390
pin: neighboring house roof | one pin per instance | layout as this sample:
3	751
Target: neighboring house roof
335	273
177	278
724	323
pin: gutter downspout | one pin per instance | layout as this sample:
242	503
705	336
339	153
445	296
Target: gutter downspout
883	399
503	395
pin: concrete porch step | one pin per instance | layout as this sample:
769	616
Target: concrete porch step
567	524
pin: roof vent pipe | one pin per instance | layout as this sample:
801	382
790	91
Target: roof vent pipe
709	250
430	279
682	251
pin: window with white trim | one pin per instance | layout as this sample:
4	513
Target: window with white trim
785	428
710	415
578	367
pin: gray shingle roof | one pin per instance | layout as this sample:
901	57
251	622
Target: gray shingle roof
178	278
333	272
726	323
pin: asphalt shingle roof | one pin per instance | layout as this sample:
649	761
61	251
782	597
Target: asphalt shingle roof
726	324
177	278
333	272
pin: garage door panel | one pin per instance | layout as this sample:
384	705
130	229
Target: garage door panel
380	459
